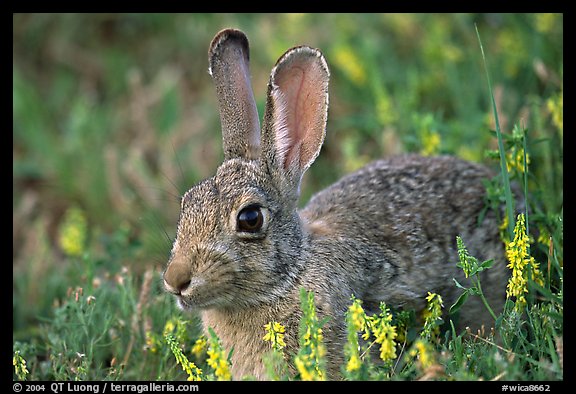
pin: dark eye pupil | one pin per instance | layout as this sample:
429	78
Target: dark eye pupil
250	219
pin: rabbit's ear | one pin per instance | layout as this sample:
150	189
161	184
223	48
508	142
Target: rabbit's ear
229	57
296	113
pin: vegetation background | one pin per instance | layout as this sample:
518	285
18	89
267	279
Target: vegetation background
115	117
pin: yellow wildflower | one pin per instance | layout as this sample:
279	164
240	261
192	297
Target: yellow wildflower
217	358
152	342
169	327
72	233
217	361
303	369
19	364
199	346
313	339
433	314
544	236
518	255
310	358
350	64
426	357
356	321
384	333
275	335
387	344
430	143
425	354
504	229
194	373
515	161
307	366
357	315
434	303
177	327
353	363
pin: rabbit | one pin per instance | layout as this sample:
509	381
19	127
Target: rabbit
243	249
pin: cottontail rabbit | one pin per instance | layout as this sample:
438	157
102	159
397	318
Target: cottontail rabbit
385	233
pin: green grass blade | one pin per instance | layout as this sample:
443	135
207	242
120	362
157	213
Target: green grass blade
525	164
501	150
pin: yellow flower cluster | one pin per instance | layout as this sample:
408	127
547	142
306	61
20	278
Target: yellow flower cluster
19	364
152	342
217	359
385	333
194	373
72	233
515	160
199	346
275	335
434	304
177	327
430	143
174	335
518	255
378	326
425	353
353	363
356	319
357	315
432	315
350	64
310	358
169	326
503	228
308	362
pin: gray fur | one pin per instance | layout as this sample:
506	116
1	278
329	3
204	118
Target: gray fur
384	233
228	58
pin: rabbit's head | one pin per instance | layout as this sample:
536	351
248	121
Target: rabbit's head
239	235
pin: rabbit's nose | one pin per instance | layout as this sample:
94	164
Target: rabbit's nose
177	277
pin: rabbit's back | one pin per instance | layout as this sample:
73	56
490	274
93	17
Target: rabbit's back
400	218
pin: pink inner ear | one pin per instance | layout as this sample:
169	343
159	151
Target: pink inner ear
283	138
300	113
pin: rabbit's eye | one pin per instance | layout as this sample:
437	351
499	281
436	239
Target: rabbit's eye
250	219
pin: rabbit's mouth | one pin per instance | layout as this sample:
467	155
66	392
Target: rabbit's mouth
188	304
187	295
195	295
185	303
193	304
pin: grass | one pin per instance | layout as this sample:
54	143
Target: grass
115	117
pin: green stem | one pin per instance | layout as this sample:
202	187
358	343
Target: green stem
484	301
